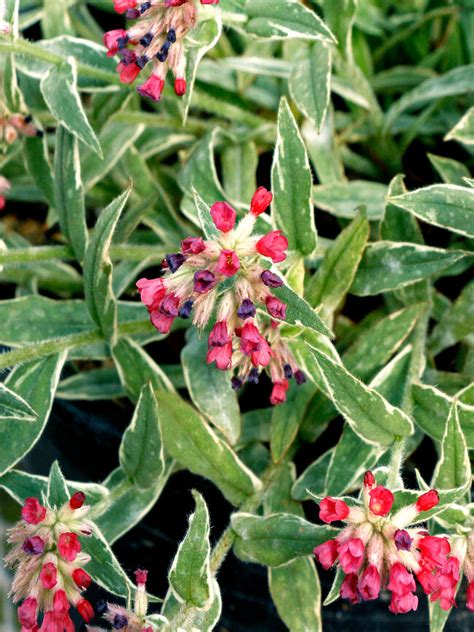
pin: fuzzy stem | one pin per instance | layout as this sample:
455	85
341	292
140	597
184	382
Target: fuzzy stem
395	463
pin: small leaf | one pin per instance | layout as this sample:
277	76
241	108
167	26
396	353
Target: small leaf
141	449
313	478
463	131
454	468
190	574
195	619
12	406
398	225
342	199
298	312
204	215
457	324
451	171
57	492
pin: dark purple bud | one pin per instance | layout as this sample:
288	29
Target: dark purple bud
128	56
142	61
403	541
288	371
203	281
119	622
146	39
101	607
253	377
162	56
247	309
186	309
122	42
144	7
236	383
169	306
171	37
132	14
33	545
300	377
175	261
270	279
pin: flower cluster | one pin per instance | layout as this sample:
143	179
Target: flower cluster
226	276
156	38
48	563
376	550
127	620
12	125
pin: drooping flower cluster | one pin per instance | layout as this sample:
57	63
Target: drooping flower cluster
460	560
156	39
128	620
225	276
376	550
48	561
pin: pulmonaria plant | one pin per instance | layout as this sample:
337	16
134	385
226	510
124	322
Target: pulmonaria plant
14	125
226	276
157	39
48	561
377	550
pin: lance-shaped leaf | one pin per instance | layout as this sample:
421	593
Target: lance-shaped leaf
397	225
368	413
203	620
457	323
239	166
389	265
12	406
68	191
451	171
276	539
285	19
209	389
464	130
36	383
38	166
141	449
189	440
299	312
190	574
96	384
98	269
313	478
57	492
454	468
343	199
59	89
292	185
446	205
204	215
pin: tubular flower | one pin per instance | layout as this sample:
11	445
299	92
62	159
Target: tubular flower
448	577
225	277
156	38
376	550
48	561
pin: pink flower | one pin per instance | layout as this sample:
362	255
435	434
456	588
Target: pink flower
209	1
28	612
49	576
369	479
33	545
326	553
332	509
69	546
275	307
219	335
128	72
428	500
161	321
351	555
222	356
262	356
369	583
448	578
141	576
77	500
427	580
470	596
192	245
278	395
401	604
249	339
434	551
349	588
32	511
260	202
228	263
224	216
152	88
273	245
81	578
151	291
85	610
111	40
180	86
381	501
123	5
401	581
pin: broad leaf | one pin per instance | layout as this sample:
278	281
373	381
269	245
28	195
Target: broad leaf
12	406
454	468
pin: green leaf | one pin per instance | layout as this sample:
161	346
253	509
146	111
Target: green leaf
189	440
56	20
451	171
59	89
276	539
390	265
38	166
190	574
57	492
95	384
398	225
453	468
292	185
299	313
457	324
68	191
203	620
367	412
204	215
210	389
98	269
239	165
36	383
330	284
285	19
296	593
463	131
342	199
141	449
310	81
12	406
445	205
313	478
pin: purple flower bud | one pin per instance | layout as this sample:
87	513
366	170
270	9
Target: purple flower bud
247	309
300	377
144	7
175	261
171	37
122	42
169	306
119	622
127	56
33	545
203	281
236	383
142	61
403	541
288	371
253	377
186	309
132	14
270	279
146	39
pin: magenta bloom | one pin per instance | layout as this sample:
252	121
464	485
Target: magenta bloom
332	509
223	216
273	245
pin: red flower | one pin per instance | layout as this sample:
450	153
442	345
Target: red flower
141	576
278	395
332	509
222	356
123	5
82	579
401	604
219	335
434	551
401	581
111	41
381	501
77	500
427	501
369	583
224	216
351	555
448	578
262	357
85	610
192	245
69	546
261	201
427	580
470	596
152	88
152	291
180	86
128	72
275	307
49	576
326	553
28	612
369	479
249	339
273	245
32	511
349	588
228	263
